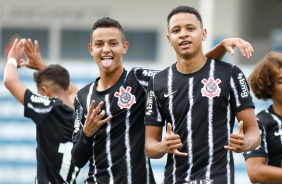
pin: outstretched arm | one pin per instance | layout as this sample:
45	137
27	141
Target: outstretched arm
155	148
11	77
218	52
259	172
35	62
248	137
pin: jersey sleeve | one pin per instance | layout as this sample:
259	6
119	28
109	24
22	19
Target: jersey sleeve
240	95
261	150
144	75
82	149
79	118
37	107
153	114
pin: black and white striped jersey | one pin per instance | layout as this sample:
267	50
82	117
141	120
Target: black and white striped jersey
270	125
54	128
116	152
201	108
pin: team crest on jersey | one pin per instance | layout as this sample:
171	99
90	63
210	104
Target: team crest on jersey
125	98
211	88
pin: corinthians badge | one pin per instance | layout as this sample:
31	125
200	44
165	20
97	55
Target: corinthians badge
125	98
211	88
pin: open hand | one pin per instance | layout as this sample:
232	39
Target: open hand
94	119
245	47
17	51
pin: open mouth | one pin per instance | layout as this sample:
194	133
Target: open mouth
106	58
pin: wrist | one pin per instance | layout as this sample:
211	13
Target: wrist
13	61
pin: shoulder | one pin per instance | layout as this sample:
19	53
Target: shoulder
86	88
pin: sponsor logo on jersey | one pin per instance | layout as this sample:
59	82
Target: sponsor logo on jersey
40	99
211	88
76	122
242	81
125	98
203	181
149	73
149	106
168	94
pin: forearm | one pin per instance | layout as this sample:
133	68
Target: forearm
154	149
264	174
253	140
10	75
217	53
82	150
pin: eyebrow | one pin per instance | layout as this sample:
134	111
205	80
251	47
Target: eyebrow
103	40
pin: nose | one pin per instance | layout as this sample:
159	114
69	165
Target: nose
106	48
183	33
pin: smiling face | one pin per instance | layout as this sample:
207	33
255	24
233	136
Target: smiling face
107	48
186	35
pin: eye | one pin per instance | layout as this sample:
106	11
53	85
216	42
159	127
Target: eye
98	44
175	30
113	43
191	28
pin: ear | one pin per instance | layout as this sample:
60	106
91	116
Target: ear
204	34
125	47
45	91
168	37
90	49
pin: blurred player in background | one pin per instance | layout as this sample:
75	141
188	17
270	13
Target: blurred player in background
109	123
264	163
198	98
51	109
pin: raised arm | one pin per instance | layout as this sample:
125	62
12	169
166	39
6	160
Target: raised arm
248	137
35	62
11	77
218	52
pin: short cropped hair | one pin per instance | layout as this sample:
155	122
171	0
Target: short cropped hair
184	9
107	22
56	73
263	77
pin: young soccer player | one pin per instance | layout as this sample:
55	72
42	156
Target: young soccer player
109	121
264	164
51	109
199	98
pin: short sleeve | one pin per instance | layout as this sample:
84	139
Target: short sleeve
79	118
261	150
37	107
152	114
144	75
240	95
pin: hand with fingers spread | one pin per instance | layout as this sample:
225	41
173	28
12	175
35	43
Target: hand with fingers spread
17	50
94	119
245	47
237	142
34	60
172	142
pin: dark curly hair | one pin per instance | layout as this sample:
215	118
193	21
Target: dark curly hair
56	73
107	22
262	79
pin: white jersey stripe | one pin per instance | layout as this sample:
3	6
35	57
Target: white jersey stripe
210	130
147	168
108	141
228	167
235	92
189	128
127	147
88	101
264	137
169	85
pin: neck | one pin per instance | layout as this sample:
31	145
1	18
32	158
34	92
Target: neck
64	96
190	64
277	107
107	80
